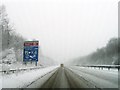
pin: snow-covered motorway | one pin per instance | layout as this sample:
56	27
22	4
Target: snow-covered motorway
100	78
63	77
25	78
79	77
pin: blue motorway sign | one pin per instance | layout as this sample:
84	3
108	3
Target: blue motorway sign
30	52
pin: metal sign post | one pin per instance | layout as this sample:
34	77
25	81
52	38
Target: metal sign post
30	52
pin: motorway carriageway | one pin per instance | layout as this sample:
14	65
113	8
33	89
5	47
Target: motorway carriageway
63	77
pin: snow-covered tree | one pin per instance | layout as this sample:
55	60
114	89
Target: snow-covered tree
5	28
9	38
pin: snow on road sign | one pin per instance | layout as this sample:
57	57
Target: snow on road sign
30	52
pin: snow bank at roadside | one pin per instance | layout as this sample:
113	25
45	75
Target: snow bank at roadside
23	79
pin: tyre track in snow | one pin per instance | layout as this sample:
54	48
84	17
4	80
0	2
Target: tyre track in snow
65	78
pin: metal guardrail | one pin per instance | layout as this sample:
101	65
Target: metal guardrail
15	70
103	66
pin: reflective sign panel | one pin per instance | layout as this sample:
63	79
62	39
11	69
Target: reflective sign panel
31	51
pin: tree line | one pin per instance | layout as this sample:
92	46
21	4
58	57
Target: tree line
9	38
103	56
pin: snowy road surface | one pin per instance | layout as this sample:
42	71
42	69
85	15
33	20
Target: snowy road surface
22	79
79	77
100	78
63	77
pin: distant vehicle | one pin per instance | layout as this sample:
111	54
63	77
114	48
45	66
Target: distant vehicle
62	65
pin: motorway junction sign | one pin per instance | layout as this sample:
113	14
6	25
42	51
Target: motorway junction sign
30	52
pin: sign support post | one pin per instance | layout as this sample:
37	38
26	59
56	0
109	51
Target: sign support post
36	63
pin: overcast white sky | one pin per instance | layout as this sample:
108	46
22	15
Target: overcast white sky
66	29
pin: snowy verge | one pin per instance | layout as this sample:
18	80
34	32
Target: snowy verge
21	80
99	78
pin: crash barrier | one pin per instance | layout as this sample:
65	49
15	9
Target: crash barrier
103	66
18	70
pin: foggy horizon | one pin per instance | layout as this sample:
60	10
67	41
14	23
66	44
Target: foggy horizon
65	29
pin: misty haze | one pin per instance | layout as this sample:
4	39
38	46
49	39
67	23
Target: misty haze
59	44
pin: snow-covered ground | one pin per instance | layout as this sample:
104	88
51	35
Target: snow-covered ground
9	60
19	80
100	78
